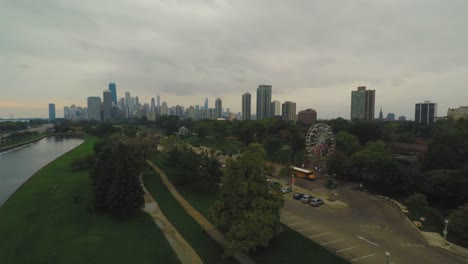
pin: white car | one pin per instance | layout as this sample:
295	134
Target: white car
287	189
315	202
306	198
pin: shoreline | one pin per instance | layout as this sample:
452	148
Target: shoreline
37	139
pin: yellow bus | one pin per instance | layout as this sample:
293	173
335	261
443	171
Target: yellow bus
303	173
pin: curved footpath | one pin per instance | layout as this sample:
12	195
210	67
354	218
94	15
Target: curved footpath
183	250
201	220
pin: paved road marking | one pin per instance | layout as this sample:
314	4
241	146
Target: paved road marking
412	245
308	228
329	242
297	223
360	237
347	249
319	235
363	257
289	217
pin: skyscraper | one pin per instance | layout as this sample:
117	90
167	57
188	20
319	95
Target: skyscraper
263	101
275	108
51	111
164	110
246	106
153	105
107	105
362	104
425	113
206	103
289	111
219	107
158	102
113	90
94	108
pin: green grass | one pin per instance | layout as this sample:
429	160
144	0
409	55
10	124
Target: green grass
208	250
287	247
41	223
233	147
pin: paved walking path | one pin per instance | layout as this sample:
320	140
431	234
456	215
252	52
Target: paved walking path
436	240
183	250
201	220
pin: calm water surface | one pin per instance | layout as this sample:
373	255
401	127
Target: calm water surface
17	165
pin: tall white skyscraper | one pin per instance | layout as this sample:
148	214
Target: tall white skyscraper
164	110
275	108
263	101
362	104
289	111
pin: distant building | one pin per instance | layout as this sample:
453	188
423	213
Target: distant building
113	90
164	109
275	108
206	103
402	118
246	106
153	105
390	117
362	104
107	105
457	113
308	116
94	108
425	113
289	111
219	108
381	114
179	111
263	101
51	112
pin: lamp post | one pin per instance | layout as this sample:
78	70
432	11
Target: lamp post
445	229
387	255
292	181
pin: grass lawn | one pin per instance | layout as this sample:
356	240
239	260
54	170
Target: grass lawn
208	250
47	221
288	247
222	145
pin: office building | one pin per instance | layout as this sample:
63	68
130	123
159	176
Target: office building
402	118
263	101
94	108
275	108
308	116
246	106
219	108
362	104
164	109
390	117
153	105
206	103
107	105
113	90
51	112
289	111
425	113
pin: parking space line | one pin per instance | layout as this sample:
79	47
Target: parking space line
297	223
309	228
289	217
347	249
319	235
367	256
329	242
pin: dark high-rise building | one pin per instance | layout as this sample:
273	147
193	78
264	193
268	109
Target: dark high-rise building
206	103
246	106
263	101
107	105
113	90
94	108
308	116
219	108
51	112
289	111
158	102
362	104
425	113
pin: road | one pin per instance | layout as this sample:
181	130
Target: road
364	231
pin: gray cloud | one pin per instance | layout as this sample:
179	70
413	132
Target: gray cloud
312	52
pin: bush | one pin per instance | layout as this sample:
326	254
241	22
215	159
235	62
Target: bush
83	163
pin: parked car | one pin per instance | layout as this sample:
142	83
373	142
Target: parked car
306	198
316	202
286	189
272	184
298	196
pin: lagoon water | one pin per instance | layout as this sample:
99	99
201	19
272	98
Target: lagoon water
18	165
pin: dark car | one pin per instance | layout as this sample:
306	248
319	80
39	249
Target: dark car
298	196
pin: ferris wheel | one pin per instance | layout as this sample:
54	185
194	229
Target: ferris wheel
320	142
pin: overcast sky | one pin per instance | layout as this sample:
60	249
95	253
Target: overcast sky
313	52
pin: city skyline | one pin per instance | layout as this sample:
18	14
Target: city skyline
408	52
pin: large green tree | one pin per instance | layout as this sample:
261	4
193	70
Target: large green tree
247	211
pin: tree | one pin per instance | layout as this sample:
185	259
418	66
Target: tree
247	212
347	143
459	223
417	204
210	173
116	178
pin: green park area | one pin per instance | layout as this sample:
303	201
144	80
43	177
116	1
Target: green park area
225	146
48	220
